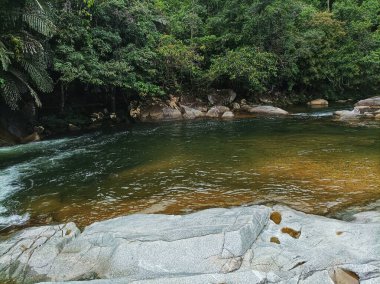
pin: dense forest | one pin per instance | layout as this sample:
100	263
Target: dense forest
55	54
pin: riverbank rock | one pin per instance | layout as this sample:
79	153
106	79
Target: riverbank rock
318	102
264	110
370	102
255	244
157	112
228	114
368	108
191	113
16	127
217	111
222	97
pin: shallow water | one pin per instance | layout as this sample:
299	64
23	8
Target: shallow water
306	161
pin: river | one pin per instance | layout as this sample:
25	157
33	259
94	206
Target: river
307	161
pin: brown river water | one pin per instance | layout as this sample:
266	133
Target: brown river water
307	161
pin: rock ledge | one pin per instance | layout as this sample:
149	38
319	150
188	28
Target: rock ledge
240	245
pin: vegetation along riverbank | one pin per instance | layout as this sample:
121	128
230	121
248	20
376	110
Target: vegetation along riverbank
67	65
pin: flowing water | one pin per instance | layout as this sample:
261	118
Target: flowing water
306	161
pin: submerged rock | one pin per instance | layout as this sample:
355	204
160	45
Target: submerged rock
240	245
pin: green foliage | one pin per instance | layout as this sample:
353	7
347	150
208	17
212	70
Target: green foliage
245	66
142	48
23	26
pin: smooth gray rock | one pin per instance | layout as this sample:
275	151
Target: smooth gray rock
191	113
374	101
323	244
212	246
217	111
28	256
269	110
228	114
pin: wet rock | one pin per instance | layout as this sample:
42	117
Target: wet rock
73	128
158	112
217	111
222	97
39	129
318	102
34	137
191	113
228	114
369	109
235	106
171	113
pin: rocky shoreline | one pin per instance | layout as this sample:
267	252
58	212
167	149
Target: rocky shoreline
256	244
222	104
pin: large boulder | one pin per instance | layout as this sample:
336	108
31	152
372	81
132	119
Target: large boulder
370	102
228	114
158	112
254	244
222	97
318	102
217	111
368	108
16	127
268	110
191	113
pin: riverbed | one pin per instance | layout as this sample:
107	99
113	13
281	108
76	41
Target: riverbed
306	160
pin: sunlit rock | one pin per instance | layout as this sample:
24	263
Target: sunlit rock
254	244
228	114
318	102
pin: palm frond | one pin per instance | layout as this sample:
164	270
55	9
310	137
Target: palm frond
30	45
17	74
37	72
38	21
10	92
4	57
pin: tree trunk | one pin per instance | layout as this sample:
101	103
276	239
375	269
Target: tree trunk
113	102
62	100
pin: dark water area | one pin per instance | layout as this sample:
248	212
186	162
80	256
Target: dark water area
307	161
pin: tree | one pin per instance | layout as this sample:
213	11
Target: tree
24	26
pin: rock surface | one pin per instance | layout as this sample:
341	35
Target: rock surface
191	113
266	110
222	97
368	108
217	111
211	246
318	102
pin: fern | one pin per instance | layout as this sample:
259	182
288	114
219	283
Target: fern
39	22
22	79
10	92
24	69
38	74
